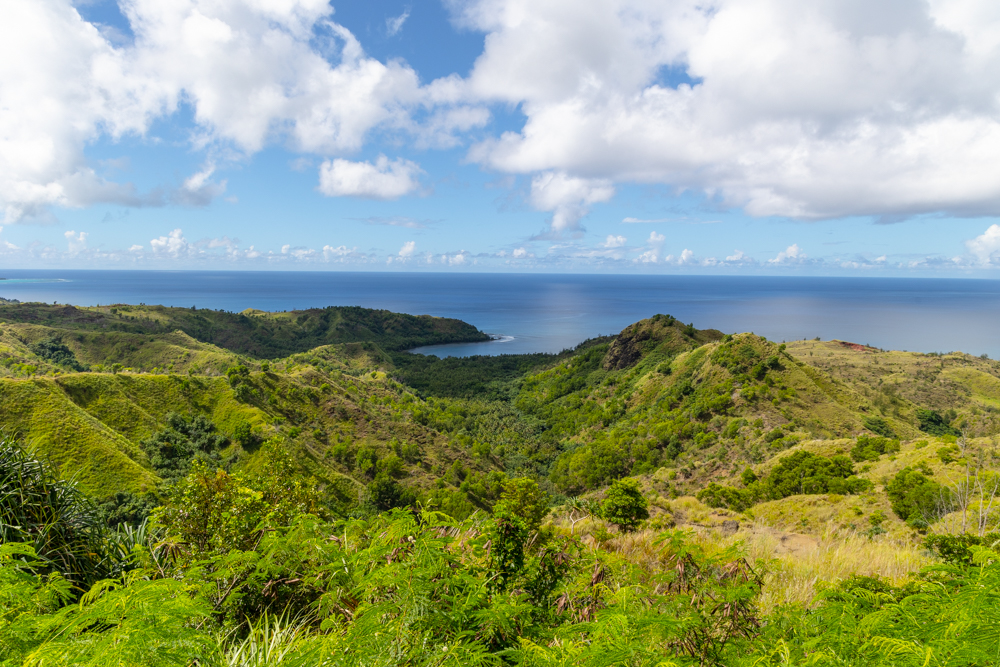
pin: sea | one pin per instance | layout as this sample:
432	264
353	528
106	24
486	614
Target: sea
551	312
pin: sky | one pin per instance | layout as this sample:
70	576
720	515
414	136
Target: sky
831	137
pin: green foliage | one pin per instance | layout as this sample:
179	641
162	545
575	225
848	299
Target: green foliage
386	493
933	423
60	523
879	426
55	351
957	549
124	508
217	512
246	436
914	495
947	617
133	621
262	335
805	472
870	448
625	505
481	377
172	449
522	498
801	472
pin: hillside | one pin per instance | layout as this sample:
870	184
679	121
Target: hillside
789	478
254	333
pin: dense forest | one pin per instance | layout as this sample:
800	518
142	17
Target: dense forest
195	487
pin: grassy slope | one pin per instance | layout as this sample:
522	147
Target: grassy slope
624	393
90	424
255	333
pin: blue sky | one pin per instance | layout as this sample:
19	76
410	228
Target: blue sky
735	136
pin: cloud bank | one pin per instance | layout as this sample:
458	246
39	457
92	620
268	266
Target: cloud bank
811	110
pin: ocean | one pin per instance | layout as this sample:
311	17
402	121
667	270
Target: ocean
548	313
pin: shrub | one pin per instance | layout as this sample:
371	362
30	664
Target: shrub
56	352
869	448
933	423
914	495
386	493
53	516
523	498
172	449
624	505
805	472
955	549
879	426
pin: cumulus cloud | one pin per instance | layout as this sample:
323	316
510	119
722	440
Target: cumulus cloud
790	255
519	253
382	180
985	248
172	245
77	242
809	110
614	241
252	72
568	198
407	249
655	249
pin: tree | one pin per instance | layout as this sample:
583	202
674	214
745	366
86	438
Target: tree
521	497
913	495
624	505
386	493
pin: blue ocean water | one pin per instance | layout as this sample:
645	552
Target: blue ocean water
548	313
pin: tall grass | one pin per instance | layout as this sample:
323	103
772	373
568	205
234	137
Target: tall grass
794	569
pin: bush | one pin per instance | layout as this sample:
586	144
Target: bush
624	505
58	521
56	352
914	495
172	449
955	549
805	472
386	493
521	497
799	473
869	448
879	426
933	423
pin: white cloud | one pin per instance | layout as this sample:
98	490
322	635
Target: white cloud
520	253
172	245
985	248
810	110
407	249
614	241
198	189
790	255
382	180
253	72
687	257
655	251
77	242
395	24
568	198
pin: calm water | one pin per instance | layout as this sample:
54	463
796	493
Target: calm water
547	313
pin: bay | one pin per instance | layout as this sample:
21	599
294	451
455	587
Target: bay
551	312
